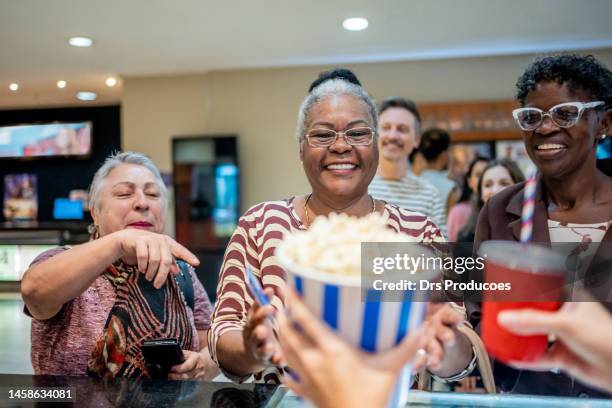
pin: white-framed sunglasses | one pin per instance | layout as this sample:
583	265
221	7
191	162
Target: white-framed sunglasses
563	115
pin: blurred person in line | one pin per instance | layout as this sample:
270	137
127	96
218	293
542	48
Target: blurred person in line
399	130
337	139
461	155
460	213
496	175
430	162
565	110
94	304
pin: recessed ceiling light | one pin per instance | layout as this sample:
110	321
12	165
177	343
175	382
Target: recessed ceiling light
86	96
61	84
80	41
13	87
110	81
355	24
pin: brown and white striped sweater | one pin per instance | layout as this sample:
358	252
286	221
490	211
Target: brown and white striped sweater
259	232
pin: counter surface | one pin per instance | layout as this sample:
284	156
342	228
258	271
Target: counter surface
94	392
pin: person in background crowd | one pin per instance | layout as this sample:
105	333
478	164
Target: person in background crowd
399	129
430	163
496	175
336	133
460	213
94	304
461	155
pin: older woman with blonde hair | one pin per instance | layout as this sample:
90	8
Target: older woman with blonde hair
93	305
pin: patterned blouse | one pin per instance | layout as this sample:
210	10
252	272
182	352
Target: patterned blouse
259	232
579	243
63	344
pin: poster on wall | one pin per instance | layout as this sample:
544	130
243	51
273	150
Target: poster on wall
20	197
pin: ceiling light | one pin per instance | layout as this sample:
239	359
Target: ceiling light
61	84
355	24
13	87
110	81
86	96
80	41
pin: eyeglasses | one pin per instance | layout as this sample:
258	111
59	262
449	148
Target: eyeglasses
563	115
359	136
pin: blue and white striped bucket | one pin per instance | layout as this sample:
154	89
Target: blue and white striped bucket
373	325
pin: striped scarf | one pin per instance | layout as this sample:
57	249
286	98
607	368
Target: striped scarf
140	313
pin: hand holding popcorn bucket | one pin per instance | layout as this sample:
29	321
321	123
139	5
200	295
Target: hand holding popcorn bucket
323	265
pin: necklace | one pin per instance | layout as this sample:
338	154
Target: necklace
307	216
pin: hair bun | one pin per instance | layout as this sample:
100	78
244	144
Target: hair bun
336	73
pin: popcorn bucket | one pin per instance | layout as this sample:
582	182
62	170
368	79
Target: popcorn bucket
372	325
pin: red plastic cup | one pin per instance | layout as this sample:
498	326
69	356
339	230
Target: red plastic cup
536	275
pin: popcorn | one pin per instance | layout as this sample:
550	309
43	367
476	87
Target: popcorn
333	243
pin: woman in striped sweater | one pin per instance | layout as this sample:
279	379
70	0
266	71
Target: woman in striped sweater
336	134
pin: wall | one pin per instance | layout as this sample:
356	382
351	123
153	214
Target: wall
159	108
261	106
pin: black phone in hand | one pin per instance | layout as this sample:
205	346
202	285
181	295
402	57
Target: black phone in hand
160	355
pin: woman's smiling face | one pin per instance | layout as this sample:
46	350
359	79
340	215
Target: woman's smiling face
340	170
558	151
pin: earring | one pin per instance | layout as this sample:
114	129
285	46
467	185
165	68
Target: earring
603	136
94	231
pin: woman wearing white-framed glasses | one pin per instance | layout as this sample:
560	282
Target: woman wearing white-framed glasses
565	112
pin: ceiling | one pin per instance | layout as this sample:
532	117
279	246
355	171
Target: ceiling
160	37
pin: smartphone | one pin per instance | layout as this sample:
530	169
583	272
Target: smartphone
160	355
255	288
262	299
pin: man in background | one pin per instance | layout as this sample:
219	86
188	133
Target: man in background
430	162
399	124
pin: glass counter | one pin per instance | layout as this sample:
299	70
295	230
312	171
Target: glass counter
102	393
463	400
